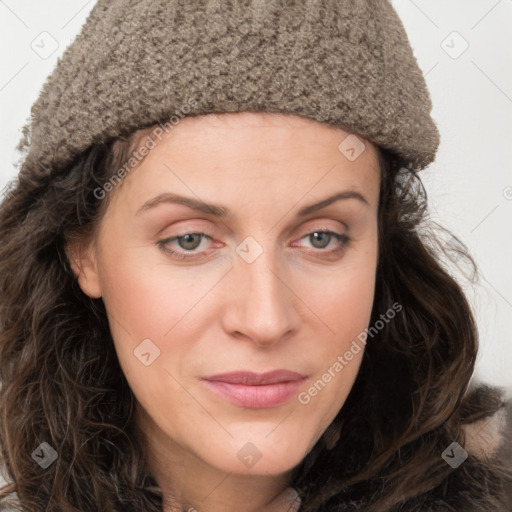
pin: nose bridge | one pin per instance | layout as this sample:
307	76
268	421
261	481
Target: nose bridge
262	305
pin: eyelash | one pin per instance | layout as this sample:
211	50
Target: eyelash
342	241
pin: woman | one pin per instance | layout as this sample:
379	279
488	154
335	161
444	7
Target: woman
216	289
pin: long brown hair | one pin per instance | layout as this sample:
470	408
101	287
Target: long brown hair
61	382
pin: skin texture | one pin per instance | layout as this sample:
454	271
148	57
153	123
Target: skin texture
298	306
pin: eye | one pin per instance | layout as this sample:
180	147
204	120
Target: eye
189	242
320	239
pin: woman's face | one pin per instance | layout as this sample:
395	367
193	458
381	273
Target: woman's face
258	292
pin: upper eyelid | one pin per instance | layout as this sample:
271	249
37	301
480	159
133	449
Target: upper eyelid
307	231
315	223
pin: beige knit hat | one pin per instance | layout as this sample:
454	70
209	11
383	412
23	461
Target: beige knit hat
136	63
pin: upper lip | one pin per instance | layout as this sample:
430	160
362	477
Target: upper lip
256	379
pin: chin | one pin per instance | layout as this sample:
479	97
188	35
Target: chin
261	453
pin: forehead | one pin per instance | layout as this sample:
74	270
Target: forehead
280	131
254	155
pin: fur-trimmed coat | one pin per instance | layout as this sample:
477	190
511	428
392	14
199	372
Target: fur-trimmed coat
471	487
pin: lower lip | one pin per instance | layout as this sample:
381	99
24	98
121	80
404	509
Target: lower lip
256	397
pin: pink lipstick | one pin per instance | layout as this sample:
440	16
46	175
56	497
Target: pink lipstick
256	391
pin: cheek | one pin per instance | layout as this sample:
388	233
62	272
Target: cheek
140	304
344	305
344	302
147	298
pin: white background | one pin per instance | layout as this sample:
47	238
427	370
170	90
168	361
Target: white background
469	184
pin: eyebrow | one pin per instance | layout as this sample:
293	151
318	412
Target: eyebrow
222	211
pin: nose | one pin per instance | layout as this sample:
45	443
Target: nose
262	306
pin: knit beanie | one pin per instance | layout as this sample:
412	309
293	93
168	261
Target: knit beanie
136	63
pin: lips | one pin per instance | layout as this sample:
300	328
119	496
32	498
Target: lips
255	379
257	391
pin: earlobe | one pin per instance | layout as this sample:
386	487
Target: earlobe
83	262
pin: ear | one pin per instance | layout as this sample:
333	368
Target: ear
83	260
